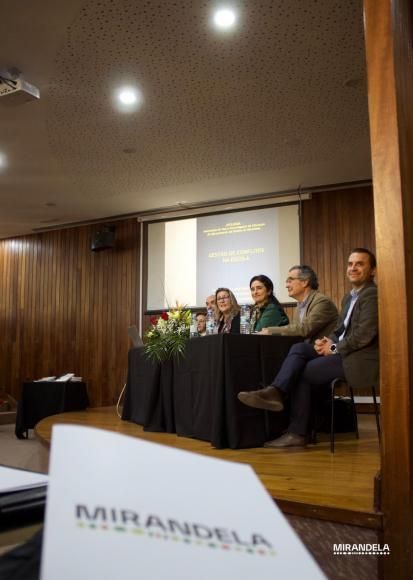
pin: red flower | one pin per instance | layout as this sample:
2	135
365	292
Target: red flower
153	320
164	316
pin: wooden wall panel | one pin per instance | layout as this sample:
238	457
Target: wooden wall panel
333	224
64	308
389	56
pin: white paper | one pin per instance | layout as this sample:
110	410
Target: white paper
17	479
122	508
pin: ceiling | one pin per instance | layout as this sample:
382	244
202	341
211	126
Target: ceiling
277	103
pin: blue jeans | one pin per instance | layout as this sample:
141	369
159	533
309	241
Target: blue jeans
302	369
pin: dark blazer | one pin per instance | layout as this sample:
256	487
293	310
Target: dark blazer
359	348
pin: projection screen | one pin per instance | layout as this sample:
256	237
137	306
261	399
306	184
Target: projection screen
188	259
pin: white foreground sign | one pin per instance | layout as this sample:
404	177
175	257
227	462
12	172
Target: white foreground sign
122	508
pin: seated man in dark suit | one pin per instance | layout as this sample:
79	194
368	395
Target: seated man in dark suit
315	316
350	353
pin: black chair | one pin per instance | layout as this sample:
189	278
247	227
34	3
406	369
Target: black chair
333	388
335	383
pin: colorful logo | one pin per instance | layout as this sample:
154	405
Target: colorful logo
153	526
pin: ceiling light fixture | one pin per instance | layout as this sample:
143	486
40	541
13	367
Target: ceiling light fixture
3	161
128	99
224	18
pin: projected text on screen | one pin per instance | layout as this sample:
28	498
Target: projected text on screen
189	259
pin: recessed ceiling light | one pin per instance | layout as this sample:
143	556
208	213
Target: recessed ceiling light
224	18
3	161
128	99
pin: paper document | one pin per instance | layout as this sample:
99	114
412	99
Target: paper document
18	479
122	508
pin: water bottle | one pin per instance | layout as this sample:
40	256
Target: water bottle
245	325
210	322
193	329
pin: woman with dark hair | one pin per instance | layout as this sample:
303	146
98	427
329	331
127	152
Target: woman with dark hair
267	310
226	312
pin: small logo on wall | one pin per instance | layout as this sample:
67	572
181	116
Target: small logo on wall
361	549
126	521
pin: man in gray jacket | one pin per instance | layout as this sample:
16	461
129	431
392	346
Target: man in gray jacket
315	315
350	353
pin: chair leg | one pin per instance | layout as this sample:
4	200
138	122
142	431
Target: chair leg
313	436
377	412
333	385
332	432
356	423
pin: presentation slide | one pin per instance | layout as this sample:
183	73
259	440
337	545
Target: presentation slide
189	259
234	247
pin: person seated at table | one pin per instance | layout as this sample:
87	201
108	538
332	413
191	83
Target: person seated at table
201	323
210	302
315	316
267	310
350	353
227	312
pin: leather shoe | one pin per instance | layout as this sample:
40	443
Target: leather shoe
269	398
287	440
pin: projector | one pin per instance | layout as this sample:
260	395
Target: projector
17	91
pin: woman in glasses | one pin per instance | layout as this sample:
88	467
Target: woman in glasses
226	312
267	310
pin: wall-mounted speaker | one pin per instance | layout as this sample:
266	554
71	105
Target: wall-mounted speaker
104	239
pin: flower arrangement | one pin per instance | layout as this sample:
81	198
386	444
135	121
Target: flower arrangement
168	335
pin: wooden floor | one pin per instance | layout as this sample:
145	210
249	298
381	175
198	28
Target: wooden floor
310	482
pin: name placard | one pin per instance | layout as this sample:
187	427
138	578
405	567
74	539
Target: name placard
119	507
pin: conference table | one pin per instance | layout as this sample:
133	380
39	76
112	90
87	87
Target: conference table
196	394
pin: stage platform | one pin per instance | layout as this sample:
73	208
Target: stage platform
309	482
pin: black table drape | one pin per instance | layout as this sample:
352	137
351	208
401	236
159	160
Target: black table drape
196	395
44	398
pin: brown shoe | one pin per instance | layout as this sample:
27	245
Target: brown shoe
269	398
287	440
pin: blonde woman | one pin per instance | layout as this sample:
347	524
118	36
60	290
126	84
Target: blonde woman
227	312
